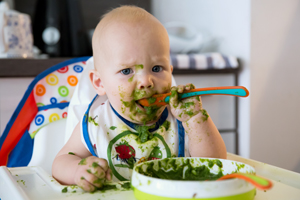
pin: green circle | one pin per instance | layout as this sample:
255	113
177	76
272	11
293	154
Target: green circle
123	134
63	91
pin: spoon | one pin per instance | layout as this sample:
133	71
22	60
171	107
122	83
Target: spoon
257	181
163	99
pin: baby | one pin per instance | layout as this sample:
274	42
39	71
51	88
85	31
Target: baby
132	61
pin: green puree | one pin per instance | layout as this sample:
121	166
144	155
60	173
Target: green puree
169	169
151	100
144	133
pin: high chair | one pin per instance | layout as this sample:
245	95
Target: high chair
47	114
36	131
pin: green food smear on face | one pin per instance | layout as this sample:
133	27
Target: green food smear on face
71	153
112	128
82	162
130	79
91	119
126	185
144	133
82	178
198	98
138	94
129	104
138	67
166	124
89	171
205	115
151	100
168	169
64	190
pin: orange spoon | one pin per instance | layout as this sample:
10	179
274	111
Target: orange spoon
257	181
163	99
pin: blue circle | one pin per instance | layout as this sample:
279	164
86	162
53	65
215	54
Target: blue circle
78	68
39	120
53	100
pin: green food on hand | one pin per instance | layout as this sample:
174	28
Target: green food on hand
112	128
82	162
94	164
71	153
205	115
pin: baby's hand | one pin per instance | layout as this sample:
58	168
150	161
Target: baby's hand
184	109
91	173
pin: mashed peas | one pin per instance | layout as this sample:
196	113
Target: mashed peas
172	170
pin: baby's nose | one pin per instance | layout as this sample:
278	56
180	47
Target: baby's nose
145	83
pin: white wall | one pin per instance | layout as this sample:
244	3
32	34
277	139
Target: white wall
275	82
265	34
228	23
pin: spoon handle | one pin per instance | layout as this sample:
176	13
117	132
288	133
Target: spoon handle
239	91
163	99
257	181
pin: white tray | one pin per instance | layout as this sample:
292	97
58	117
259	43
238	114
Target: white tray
33	183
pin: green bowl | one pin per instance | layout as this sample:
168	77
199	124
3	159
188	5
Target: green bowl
190	178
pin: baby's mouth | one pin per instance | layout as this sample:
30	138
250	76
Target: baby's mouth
139	105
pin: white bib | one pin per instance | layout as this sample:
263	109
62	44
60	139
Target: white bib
108	135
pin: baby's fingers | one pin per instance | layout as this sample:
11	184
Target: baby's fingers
86	182
108	175
180	88
189	86
86	186
97	170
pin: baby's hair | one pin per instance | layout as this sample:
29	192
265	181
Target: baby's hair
126	12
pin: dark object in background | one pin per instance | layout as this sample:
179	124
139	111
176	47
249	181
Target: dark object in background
58	28
91	11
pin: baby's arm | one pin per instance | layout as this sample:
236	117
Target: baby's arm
74	164
204	138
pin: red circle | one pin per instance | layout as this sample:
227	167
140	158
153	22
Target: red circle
63	69
64	115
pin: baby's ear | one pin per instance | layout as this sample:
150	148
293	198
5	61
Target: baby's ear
171	68
96	82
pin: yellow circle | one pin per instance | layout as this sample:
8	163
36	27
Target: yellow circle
52	79
53	117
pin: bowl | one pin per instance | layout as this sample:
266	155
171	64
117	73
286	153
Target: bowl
191	178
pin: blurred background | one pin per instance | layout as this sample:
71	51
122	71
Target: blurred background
262	34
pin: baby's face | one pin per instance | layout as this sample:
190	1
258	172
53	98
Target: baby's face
136	66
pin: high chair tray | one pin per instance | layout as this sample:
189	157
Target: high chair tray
33	183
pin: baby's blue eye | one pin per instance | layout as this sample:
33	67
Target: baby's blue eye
156	68
126	71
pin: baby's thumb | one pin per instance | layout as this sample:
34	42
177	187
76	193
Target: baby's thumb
174	97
